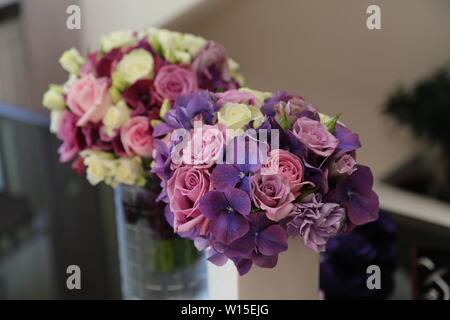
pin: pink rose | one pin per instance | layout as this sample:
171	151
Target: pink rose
136	136
235	96
289	166
89	99
344	165
184	190
272	193
315	136
203	148
173	80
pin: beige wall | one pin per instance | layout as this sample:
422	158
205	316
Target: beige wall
45	35
323	51
319	49
44	38
103	16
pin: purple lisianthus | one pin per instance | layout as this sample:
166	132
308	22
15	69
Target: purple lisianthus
226	211
316	222
292	109
213	72
276	98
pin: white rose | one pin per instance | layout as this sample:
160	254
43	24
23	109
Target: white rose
117	39
136	65
115	117
193	44
237	115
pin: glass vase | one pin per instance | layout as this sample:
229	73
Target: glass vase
155	263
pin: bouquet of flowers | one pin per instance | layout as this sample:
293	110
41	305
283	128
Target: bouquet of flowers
105	113
243	170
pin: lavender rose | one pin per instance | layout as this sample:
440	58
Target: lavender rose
185	189
315	136
235	96
316	222
173	80
272	194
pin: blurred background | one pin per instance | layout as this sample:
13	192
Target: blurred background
51	218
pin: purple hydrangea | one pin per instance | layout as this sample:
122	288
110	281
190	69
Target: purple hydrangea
201	106
316	222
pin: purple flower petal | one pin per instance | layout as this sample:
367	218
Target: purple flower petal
161	129
269	103
239	201
272	240
228	227
348	141
225	176
243	265
356	195
242	247
265	261
363	208
245	185
219	259
361	180
201	243
213	204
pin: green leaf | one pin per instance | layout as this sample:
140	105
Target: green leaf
331	124
164	108
154	123
255	210
118	81
284	122
115	95
307	193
